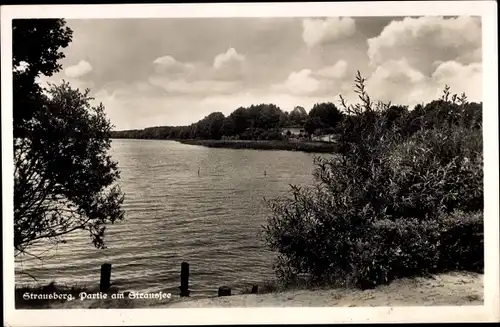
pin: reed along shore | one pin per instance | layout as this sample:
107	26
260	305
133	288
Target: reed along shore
304	146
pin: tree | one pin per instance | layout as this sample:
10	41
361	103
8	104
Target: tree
284	119
298	115
63	176
227	128
209	127
216	120
312	124
240	120
36	45
269	116
323	115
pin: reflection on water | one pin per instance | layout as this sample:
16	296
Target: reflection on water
172	215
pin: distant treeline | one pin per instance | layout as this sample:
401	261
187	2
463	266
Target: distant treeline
257	122
267	121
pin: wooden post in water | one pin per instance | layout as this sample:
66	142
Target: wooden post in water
184	279
105	277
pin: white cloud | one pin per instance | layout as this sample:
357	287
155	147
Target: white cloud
80	69
337	71
228	58
228	66
394	81
177	78
321	31
327	81
397	81
396	72
453	69
165	61
414	58
460	78
169	65
421	41
298	83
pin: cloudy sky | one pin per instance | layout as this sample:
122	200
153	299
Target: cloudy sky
175	71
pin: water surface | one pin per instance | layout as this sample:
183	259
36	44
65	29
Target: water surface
172	215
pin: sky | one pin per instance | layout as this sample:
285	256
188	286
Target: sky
176	71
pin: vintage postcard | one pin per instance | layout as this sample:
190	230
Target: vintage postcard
250	163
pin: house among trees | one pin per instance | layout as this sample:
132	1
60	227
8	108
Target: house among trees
293	132
323	137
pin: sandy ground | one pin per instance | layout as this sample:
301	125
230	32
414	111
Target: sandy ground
449	289
445	289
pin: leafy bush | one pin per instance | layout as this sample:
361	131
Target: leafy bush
436	170
462	241
395	249
375	211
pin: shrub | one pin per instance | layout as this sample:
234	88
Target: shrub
436	170
381	208
394	249
462	241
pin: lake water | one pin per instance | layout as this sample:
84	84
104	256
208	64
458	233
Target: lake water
172	215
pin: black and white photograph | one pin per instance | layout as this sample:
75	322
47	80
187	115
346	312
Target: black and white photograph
223	156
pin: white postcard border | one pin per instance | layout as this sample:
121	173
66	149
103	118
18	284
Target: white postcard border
103	317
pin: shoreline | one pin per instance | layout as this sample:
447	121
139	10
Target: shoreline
302	146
